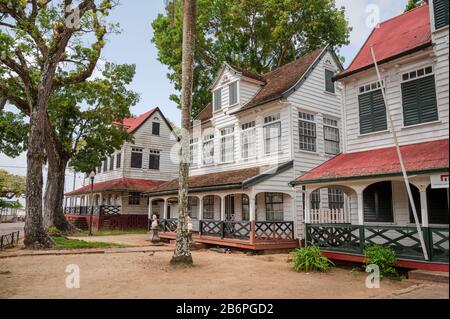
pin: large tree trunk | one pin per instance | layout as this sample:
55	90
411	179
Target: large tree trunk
54	190
182	253
35	234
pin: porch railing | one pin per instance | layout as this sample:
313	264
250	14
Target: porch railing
239	230
329	216
104	210
404	240
9	240
226	229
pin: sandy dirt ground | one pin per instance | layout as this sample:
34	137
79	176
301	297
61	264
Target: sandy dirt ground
148	275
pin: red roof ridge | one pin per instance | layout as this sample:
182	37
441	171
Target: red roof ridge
404	13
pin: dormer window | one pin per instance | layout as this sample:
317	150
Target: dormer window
233	93
217	99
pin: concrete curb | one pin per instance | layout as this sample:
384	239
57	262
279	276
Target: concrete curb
129	250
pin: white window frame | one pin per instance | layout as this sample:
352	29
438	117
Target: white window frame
237	93
271	121
218	90
333	124
193	152
225	135
307	118
248	129
208	139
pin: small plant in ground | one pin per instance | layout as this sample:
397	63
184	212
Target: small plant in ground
382	256
54	232
310	259
355	272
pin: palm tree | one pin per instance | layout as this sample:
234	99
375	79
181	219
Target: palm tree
182	254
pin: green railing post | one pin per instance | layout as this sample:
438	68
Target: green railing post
362	238
428	239
307	235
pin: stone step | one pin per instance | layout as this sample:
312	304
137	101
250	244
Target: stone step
428	275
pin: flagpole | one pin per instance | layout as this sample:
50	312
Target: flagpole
400	157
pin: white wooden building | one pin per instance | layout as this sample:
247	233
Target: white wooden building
137	167
412	51
260	132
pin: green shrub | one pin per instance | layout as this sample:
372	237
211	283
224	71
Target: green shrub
382	256
54	231
310	259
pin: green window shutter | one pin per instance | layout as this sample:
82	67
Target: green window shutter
372	112
440	13
329	84
419	101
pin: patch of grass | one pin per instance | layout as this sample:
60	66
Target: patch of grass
113	232
66	243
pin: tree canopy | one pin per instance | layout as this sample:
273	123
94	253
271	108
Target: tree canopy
258	35
414	4
11	185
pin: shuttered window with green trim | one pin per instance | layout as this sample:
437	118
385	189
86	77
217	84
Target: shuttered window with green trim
372	112
377	200
419	101
329	84
440	13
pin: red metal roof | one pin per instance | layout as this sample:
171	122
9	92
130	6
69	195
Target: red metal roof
393	37
417	157
133	123
122	184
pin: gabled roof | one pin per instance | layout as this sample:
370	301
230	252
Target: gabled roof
205	114
278	83
282	79
132	124
121	184
418	158
394	38
234	179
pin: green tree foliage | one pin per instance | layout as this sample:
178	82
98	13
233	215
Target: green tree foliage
258	35
13	133
87	117
414	4
11	185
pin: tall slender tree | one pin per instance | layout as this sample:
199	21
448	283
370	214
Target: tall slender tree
45	45
182	254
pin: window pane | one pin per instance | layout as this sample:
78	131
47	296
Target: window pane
233	93
217	99
272	135
155	128
136	159
119	160
307	135
329	84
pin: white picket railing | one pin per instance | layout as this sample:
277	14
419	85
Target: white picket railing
328	216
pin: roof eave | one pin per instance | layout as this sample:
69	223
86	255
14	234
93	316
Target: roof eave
359	177
389	59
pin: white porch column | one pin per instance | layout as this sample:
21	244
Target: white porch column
101	199
165	207
307	207
360	198
150	208
424	207
222	208
252	207
200	208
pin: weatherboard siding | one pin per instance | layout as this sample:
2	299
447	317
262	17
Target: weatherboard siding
392	75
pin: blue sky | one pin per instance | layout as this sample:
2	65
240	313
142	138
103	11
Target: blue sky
134	46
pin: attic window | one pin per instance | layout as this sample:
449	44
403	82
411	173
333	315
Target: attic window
156	128
329	84
217	99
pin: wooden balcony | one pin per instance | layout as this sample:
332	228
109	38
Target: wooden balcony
103	210
238	234
352	239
